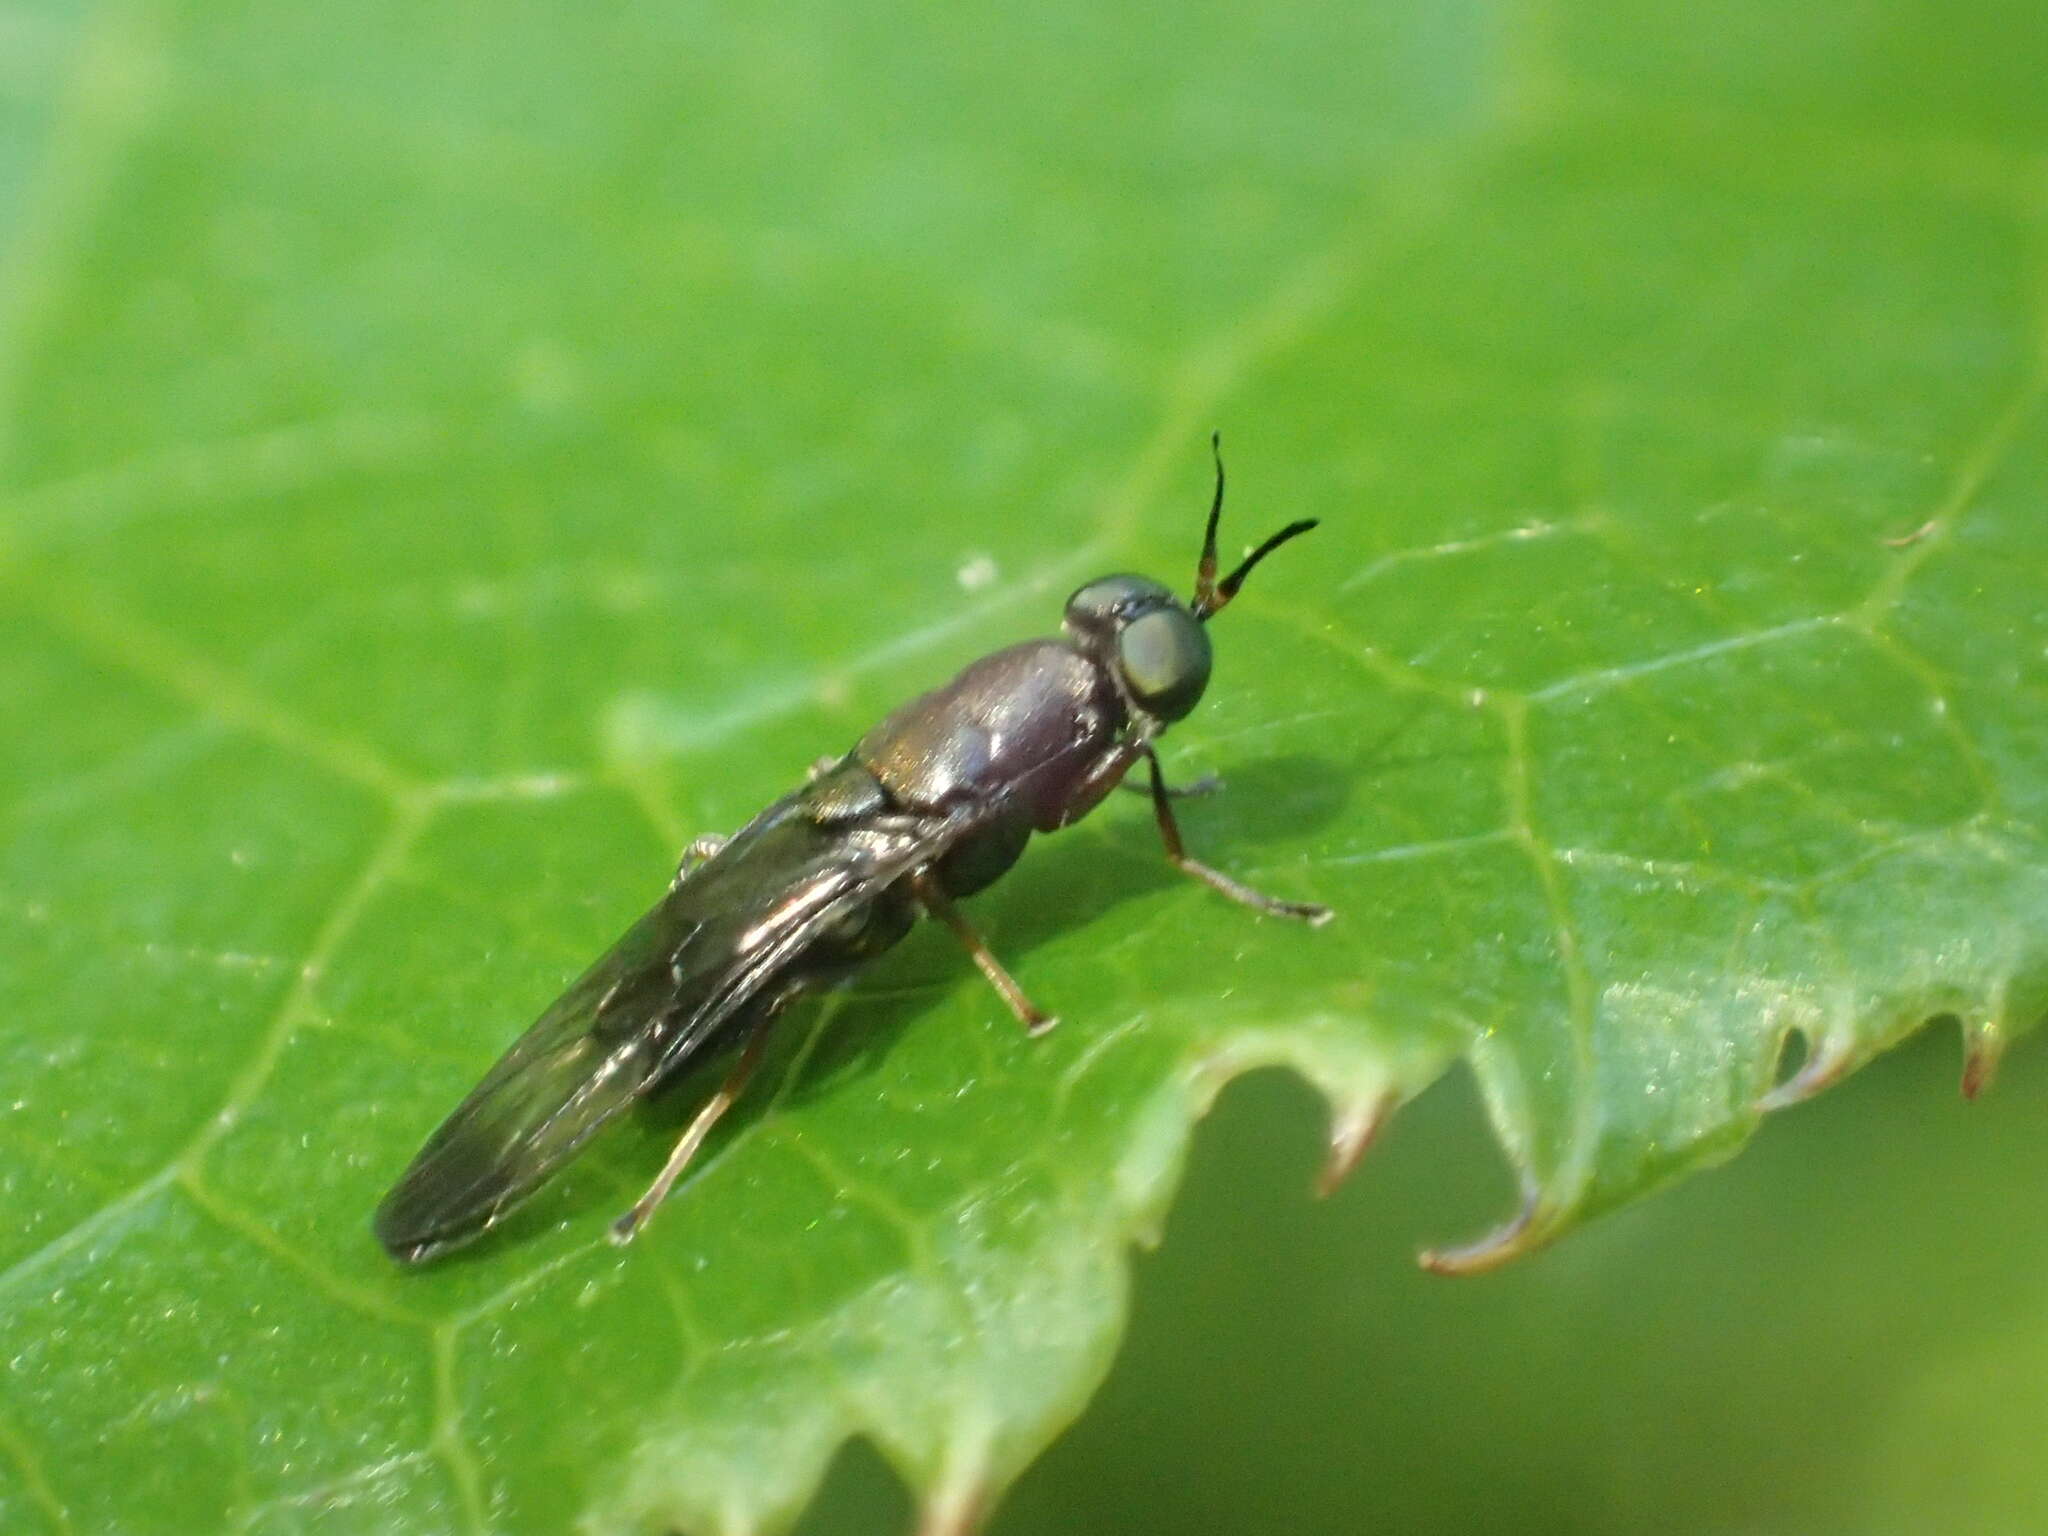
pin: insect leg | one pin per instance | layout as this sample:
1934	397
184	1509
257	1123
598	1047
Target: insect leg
1103	775
935	901
1207	784
1169	830
696	855
624	1229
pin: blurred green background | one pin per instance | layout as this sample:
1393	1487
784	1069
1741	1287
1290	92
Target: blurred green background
1840	1332
452	455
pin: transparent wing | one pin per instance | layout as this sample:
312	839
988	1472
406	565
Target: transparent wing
660	995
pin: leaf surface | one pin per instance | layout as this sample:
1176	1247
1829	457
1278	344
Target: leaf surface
445	465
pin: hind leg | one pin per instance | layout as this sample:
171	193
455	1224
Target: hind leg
624	1229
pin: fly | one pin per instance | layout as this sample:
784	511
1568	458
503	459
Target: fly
931	805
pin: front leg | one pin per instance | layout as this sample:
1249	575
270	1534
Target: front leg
1207	784
1103	775
1169	831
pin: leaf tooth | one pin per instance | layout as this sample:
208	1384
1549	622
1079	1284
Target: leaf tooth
945	1518
1529	1228
1830	1054
1354	1126
955	1508
1984	1042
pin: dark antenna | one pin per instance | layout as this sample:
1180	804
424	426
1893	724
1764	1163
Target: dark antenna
1210	594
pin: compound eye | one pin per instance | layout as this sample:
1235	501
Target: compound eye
1096	609
1164	656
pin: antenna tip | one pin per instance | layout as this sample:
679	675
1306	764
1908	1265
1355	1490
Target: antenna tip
1216	439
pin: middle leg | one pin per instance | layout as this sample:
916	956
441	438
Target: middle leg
933	899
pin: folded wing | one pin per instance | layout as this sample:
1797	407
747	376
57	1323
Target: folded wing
660	996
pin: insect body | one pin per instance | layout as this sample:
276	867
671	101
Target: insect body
932	804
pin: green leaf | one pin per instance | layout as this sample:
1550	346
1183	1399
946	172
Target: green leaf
446	463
